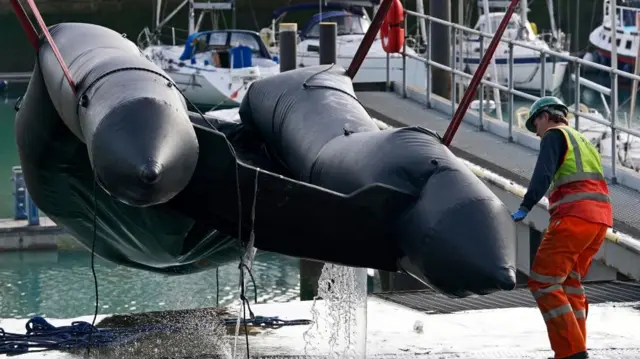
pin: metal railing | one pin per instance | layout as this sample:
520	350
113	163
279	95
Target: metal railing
509	89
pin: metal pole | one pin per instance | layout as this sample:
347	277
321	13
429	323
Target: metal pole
510	93
328	40
428	65
481	114
288	44
441	55
173	13
477	76
422	23
543	74
459	61
577	95
636	70
368	39
614	88
191	14
233	15
494	67
404	59
452	61
576	39
158	12
388	79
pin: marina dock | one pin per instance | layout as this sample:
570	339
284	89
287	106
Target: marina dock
22	77
17	235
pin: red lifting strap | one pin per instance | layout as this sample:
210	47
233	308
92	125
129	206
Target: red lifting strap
30	31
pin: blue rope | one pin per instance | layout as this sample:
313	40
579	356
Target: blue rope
41	335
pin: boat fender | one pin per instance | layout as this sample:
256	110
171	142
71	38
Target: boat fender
392	30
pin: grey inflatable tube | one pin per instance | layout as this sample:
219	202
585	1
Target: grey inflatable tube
111	117
458	236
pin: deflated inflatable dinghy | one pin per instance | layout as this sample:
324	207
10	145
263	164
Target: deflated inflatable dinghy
176	188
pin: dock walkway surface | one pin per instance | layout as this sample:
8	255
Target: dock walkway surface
393	331
510	160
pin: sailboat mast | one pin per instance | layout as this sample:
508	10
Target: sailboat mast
460	63
552	18
494	68
158	12
422	23
192	15
233	14
524	8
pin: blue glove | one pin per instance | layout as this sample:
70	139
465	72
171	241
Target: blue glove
519	215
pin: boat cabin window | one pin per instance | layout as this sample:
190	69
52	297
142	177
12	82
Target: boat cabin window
242	38
347	25
218	39
200	44
495	22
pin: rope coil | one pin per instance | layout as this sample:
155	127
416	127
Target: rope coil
43	336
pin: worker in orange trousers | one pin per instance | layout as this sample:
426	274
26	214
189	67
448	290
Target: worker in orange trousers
580	214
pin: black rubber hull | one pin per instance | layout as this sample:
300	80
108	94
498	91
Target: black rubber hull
56	160
457	235
141	143
178	192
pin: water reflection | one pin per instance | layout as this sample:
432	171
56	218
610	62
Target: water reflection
60	285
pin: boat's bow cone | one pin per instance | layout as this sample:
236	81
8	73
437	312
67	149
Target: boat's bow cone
471	239
144	151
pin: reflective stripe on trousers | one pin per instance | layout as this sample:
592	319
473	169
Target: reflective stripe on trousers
580	314
565	253
556	285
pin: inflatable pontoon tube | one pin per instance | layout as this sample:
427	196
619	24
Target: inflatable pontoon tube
127	111
458	236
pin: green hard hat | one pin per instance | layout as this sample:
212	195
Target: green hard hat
544	104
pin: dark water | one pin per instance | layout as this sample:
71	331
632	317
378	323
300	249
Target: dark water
60	285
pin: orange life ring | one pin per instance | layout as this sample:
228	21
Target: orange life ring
392	30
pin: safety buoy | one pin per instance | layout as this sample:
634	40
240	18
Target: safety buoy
392	30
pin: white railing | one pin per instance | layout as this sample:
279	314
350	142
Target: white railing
509	89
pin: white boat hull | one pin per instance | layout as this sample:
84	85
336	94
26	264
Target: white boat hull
207	85
527	67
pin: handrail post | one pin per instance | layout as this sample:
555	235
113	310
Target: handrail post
510	92
388	83
404	59
428	63
614	114
481	96
577	95
543	74
452	65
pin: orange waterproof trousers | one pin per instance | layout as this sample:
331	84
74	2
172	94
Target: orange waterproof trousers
563	258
